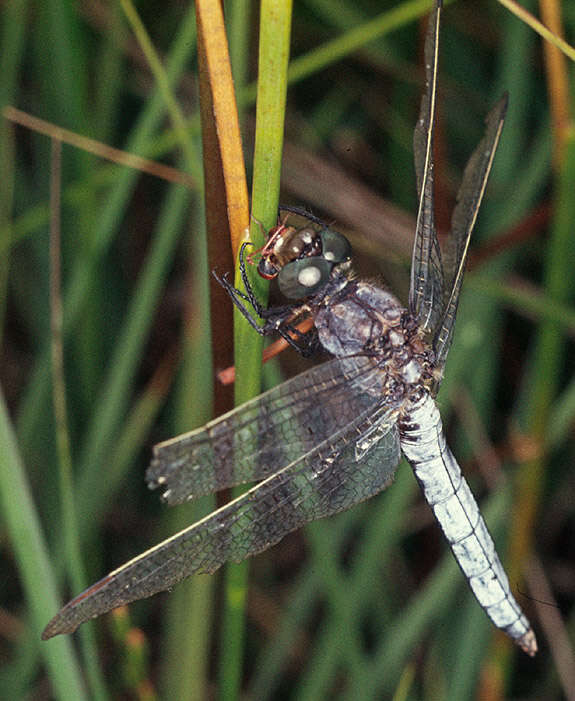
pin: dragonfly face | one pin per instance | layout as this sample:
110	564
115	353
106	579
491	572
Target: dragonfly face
333	436
303	258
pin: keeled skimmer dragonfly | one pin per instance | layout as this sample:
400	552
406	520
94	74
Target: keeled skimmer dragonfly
333	436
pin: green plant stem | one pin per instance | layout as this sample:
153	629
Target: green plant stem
275	30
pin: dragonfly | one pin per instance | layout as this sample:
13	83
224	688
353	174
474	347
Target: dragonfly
333	436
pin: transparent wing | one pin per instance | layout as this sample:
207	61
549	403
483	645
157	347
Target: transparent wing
462	222
342	471
426	288
265	434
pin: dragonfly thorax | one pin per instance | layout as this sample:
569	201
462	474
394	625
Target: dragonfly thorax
363	319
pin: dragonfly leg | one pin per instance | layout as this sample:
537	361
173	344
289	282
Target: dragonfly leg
243	272
306	344
275	321
278	320
238	298
300	211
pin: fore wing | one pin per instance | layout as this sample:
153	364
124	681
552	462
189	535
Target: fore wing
462	222
342	471
426	288
265	434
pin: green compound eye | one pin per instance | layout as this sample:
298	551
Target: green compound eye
335	247
304	277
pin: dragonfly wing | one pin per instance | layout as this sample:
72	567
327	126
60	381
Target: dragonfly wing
342	471
463	220
265	434
426	288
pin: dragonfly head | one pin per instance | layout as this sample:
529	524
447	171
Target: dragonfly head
302	258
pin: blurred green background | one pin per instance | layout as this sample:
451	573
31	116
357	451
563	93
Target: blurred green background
366	605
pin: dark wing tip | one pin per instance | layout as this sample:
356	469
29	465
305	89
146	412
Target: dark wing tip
154	478
49	631
159	473
81	609
59	625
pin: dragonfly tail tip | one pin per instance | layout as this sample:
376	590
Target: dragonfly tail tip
528	643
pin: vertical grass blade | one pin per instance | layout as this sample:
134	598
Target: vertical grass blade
34	565
74	563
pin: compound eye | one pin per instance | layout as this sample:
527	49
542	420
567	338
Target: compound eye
304	277
267	269
299	243
335	247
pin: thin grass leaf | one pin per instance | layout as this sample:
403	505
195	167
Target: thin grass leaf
12	41
188	625
538	27
358	37
548	356
74	562
115	391
164	87
32	408
38	384
21	519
